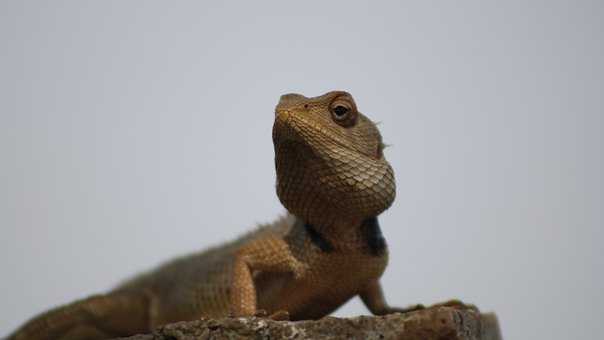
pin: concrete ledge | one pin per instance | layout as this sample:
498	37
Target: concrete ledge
439	322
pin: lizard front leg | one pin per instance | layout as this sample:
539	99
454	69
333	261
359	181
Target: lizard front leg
373	297
269	254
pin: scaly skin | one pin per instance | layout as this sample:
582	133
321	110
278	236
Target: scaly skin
334	181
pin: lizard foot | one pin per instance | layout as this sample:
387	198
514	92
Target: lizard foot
455	303
412	308
280	315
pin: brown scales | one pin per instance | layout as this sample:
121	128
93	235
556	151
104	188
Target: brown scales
334	181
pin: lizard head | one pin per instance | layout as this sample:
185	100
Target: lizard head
329	160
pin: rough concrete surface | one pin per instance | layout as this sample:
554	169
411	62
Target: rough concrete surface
439	322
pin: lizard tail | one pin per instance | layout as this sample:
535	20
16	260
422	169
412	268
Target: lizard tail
94	318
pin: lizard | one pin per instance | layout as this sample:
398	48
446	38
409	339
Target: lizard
334	181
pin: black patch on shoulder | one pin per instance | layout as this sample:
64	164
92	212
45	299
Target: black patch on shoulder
318	239
373	236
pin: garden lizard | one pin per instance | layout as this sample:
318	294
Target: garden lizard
333	180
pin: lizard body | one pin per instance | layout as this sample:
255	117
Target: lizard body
334	181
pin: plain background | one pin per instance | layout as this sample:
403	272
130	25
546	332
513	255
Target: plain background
135	131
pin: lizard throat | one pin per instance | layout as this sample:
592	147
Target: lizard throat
366	236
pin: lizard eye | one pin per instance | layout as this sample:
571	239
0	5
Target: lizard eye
342	112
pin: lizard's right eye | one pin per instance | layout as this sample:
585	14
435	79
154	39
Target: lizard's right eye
342	112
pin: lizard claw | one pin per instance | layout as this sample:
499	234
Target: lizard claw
261	313
280	315
455	303
412	308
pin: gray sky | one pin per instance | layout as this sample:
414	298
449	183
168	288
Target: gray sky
135	131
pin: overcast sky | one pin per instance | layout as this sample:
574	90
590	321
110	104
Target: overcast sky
135	131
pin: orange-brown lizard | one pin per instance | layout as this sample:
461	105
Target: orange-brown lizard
333	179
